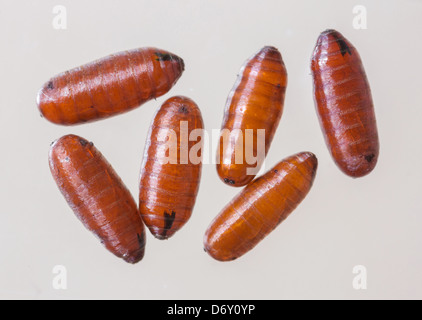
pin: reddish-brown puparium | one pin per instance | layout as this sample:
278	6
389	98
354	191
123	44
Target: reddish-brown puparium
109	86
98	196
170	181
255	102
344	104
260	207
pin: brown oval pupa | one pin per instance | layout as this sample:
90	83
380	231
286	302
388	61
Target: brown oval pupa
98	196
109	86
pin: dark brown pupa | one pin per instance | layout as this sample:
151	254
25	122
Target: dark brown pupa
344	104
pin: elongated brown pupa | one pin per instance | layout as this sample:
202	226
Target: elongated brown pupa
344	104
98	196
109	86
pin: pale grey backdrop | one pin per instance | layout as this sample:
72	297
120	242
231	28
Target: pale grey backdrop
373	221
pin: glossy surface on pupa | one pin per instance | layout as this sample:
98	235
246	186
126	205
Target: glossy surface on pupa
255	102
98	196
260	207
344	104
167	191
109	86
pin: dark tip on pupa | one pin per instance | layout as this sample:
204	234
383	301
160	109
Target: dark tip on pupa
370	157
275	171
170	57
182	64
141	240
328	31
83	142
163	56
229	181
50	85
168	223
269	48
183	109
344	48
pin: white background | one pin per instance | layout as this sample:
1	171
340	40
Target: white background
373	221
